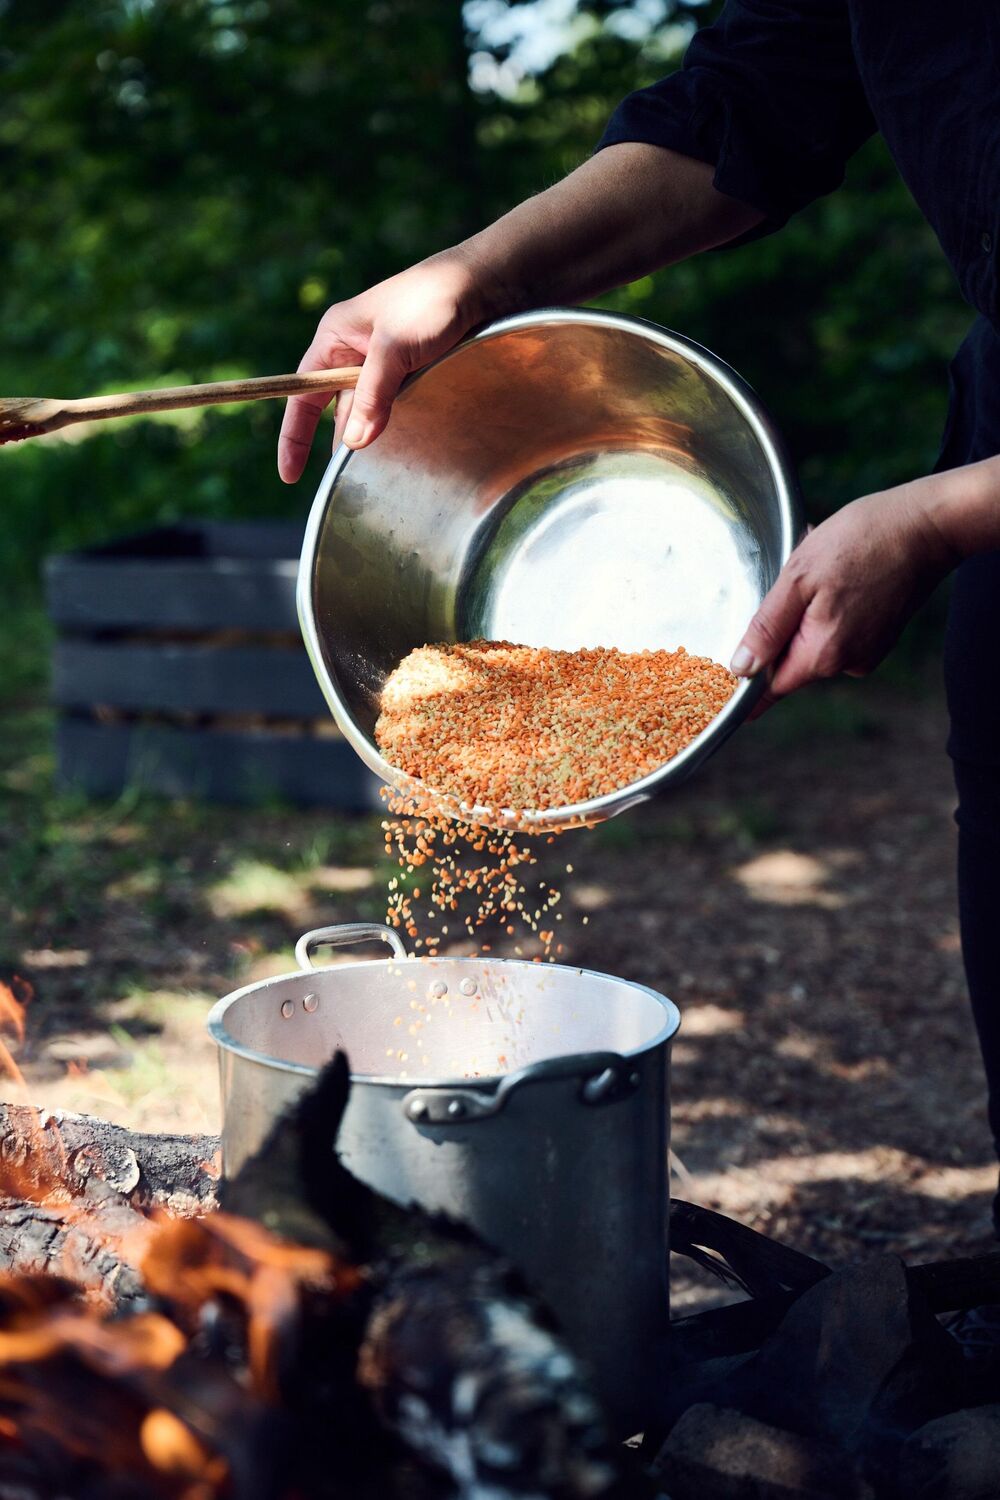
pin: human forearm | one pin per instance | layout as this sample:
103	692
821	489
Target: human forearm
625	212
963	505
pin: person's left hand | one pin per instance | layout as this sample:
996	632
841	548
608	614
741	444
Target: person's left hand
847	590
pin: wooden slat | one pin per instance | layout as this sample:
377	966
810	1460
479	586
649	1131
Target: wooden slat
171	677
206	577
244	769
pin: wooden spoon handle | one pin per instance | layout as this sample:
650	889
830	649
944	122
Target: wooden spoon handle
214	392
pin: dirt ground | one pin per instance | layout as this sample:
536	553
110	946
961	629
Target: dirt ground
795	899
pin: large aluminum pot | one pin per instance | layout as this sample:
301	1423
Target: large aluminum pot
564	478
531	1103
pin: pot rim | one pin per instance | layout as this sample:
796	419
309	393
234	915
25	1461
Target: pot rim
215	1020
748	691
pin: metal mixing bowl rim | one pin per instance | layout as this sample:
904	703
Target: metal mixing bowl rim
609	804
215	1020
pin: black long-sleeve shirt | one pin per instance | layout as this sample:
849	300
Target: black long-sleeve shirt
778	94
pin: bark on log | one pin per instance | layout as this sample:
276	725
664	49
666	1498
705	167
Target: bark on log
40	1239
76	1192
41	1149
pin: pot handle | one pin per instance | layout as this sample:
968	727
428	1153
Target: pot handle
605	1077
342	936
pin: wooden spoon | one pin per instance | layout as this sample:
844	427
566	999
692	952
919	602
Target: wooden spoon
30	416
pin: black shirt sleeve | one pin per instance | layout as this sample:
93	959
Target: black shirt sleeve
769	95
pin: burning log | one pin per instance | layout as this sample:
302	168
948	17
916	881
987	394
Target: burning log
382	1353
44	1239
76	1195
462	1367
40	1151
131	1407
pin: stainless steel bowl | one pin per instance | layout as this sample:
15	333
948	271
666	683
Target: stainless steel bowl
564	478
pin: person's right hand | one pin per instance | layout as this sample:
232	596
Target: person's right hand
394	328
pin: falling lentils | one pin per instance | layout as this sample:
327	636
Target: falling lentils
487	732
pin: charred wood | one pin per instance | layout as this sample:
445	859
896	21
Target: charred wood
39	1239
41	1151
461	1366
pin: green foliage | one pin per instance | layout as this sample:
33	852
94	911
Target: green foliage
188	183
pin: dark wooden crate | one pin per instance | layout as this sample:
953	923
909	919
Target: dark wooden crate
246	768
179	668
226	575
185	677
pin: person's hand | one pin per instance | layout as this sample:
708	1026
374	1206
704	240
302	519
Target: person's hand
623	213
848	589
394	328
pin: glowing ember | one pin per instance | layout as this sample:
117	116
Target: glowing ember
173	1448
197	1271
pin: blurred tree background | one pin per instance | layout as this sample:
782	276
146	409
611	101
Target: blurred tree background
188	183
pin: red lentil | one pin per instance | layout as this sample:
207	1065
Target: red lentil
490	727
513	728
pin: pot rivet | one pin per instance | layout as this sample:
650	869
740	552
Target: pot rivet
418	1109
438	990
456	1109
634	1080
310	1003
468	986
287	1009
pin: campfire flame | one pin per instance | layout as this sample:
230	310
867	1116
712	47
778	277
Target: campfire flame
172	1448
193	1270
35	1169
55	1328
141	1354
12	1021
195	1262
